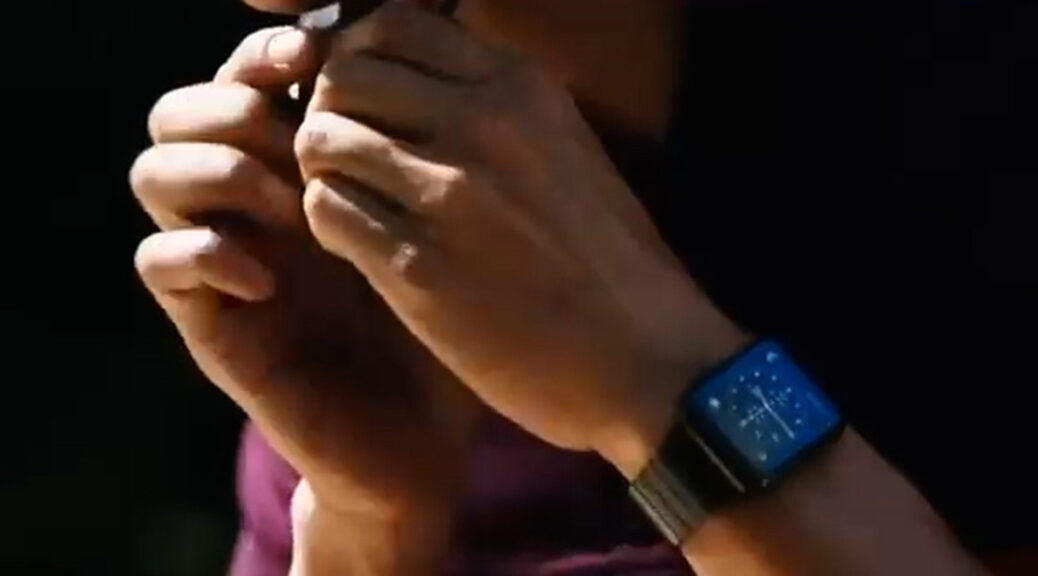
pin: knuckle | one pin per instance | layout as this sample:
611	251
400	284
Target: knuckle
205	250
146	257
318	204
443	191
389	27
312	138
162	112
146	172
326	217
183	249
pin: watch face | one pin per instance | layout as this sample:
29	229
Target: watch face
765	408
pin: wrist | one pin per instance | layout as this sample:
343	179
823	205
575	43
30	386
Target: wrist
409	540
783	526
846	512
704	338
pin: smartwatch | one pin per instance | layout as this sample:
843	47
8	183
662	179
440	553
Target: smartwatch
737	432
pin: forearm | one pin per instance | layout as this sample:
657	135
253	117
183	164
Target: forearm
848	513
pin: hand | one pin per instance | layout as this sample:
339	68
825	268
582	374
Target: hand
295	336
465	185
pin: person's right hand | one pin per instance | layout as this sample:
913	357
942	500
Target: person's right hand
294	336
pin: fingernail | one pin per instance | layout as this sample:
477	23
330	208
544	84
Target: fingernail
285	48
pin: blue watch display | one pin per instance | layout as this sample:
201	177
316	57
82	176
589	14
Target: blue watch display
760	412
738	430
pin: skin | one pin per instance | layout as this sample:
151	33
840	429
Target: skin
535	287
468	188
251	301
460	178
626	84
290	333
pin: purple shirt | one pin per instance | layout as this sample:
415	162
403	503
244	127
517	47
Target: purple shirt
529	509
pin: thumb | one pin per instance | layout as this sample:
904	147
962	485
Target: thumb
272	59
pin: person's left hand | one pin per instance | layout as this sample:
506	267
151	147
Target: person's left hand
465	185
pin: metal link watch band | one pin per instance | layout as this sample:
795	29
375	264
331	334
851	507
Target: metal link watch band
683	484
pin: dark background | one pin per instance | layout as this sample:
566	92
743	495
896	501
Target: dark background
121	457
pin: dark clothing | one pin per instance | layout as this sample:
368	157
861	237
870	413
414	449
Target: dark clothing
529	510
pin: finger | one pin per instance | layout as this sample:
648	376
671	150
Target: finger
232	114
273	58
285	6
387	94
406	32
184	184
346	222
179	265
329	143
